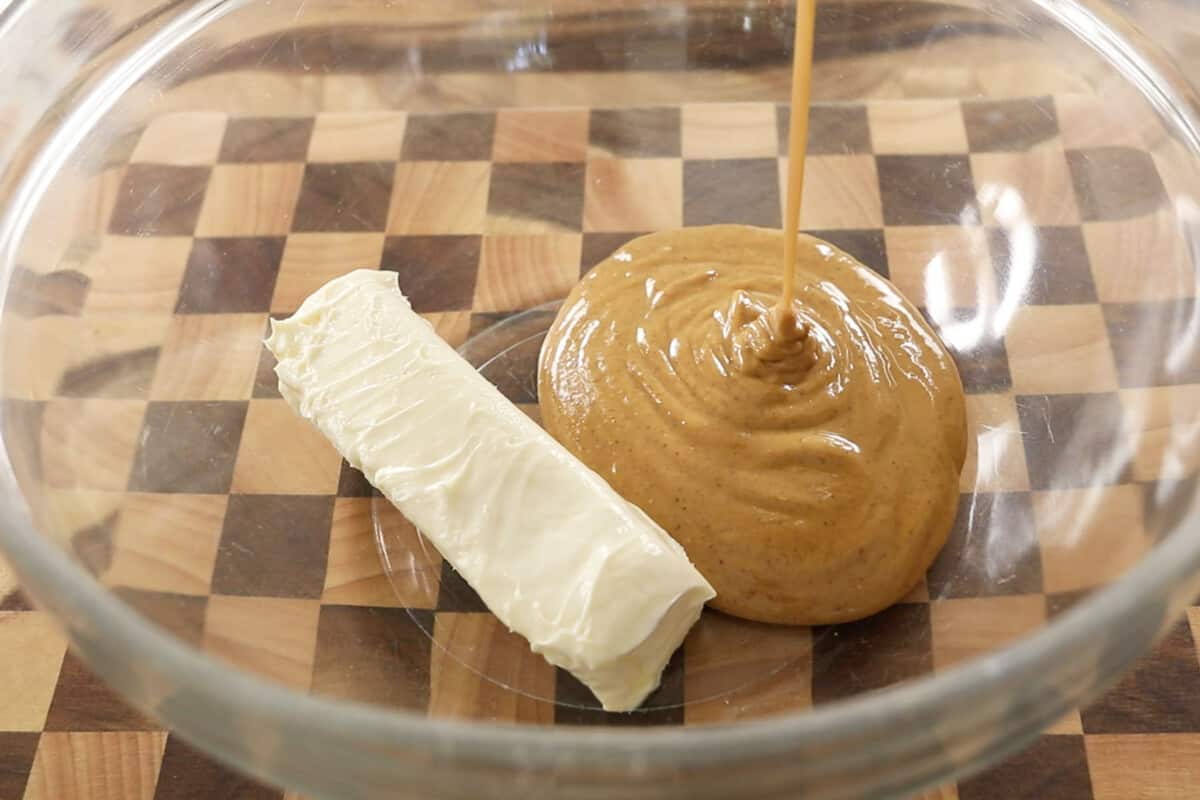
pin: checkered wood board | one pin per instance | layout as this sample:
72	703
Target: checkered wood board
179	476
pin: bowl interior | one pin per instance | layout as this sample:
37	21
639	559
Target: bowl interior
1008	179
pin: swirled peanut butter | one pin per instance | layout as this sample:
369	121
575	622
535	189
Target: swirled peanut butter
807	461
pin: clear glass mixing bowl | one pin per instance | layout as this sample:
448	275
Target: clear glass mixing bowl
175	173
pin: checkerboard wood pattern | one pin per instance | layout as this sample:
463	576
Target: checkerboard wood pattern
175	471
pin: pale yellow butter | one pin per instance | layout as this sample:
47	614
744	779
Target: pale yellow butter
586	577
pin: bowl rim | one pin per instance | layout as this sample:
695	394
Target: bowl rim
90	611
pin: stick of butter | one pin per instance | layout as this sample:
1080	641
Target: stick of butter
557	555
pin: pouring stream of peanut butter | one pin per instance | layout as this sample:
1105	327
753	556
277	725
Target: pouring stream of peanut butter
779	408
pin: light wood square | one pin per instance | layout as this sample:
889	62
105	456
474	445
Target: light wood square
356	137
136	273
524	135
1029	188
452	326
518	272
102	355
948	792
310	260
1144	766
917	127
34	649
250	200
75	204
743	670
354	575
185	139
633	194
1059	349
415	566
36	353
439	197
108	765
209	357
271	636
1140	259
972	627
167	542
1089	537
840	192
1070	725
1164	423
65	512
729	130
469	646
941	267
1089	120
90	443
283	453
995	450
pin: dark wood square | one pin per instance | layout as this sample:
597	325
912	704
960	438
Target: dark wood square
159	200
274	546
344	198
448	137
1054	768
188	447
599	246
982	363
1114	183
266	139
518	384
1153	343
93	544
637	132
16	761
266	382
892	646
542	193
867	245
436	273
832	129
83	702
992	549
63	291
1009	125
1160	695
379	656
736	190
1073	441
455	594
1042	266
482	320
352	483
15	601
1166	505
664	706
188	774
229	276
653	41
180	614
126	375
927	190
1058	603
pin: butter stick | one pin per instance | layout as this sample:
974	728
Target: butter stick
592	583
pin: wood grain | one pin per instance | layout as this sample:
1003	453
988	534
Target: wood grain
96	766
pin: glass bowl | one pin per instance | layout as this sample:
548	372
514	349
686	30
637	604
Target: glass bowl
173	174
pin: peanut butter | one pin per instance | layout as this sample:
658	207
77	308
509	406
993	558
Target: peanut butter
808	463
